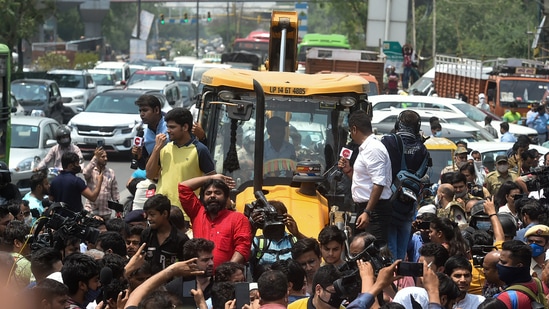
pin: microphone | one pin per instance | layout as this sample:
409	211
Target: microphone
151	190
105	277
137	142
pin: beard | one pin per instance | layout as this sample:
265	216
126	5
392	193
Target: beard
215	206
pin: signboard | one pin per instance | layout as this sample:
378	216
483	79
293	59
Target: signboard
393	51
138	49
387	21
146	19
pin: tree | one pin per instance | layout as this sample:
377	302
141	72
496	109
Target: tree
20	19
53	61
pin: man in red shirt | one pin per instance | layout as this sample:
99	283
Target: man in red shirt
514	269
229	230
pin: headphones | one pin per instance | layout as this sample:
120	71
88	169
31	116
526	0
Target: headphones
417	126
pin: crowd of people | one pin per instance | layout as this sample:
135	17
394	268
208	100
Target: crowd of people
475	239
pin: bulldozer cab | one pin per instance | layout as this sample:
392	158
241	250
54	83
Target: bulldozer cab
262	126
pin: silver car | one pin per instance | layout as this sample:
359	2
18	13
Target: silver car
31	139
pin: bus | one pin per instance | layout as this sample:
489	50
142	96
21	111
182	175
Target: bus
5	107
256	42
320	40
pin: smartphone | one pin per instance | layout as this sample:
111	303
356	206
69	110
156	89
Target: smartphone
242	294
100	143
187	287
410	269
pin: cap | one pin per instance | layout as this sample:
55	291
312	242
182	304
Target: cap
537	230
481	96
253	286
461	150
427	209
137	215
501	158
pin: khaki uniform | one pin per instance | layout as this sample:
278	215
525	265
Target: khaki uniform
449	169
494	180
514	163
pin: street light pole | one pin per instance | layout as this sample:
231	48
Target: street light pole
197	32
138	19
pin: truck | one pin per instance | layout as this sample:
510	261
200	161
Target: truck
236	104
502	80
361	62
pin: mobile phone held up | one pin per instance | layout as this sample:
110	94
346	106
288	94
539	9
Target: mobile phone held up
410	269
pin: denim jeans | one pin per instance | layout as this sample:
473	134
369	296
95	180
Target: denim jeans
399	236
380	220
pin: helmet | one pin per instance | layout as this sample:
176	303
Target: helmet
5	174
508	223
63	136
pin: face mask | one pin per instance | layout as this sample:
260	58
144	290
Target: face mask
28	220
91	295
460	164
502	168
484	225
437	201
334	301
438	133
512	275
478	164
537	250
461	194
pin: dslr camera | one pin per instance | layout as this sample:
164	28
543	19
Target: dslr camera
479	252
350	284
272	223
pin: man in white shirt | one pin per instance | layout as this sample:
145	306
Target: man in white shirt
371	177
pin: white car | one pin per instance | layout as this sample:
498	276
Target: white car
170	89
111	119
104	79
31	139
490	151
428	103
447	119
200	68
77	86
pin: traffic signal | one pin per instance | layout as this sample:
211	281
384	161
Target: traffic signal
185	18
162	19
209	19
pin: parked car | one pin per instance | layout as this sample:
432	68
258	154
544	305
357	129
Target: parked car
76	85
429	103
137	67
104	79
111	118
121	69
449	119
188	92
169	89
31	139
140	76
39	95
178	73
490	151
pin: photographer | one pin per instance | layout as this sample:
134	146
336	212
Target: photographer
267	251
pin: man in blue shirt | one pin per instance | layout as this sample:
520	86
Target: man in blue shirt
506	136
538	121
68	188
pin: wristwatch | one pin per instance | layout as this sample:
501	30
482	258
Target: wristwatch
368	212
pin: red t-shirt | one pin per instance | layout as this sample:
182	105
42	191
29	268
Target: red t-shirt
523	299
230	230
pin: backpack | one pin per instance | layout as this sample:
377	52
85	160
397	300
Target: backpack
263	244
407	185
538	301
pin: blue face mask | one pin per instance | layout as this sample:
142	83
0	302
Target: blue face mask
537	250
438	133
91	295
484	225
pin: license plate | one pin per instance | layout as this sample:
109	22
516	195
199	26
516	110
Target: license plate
94	140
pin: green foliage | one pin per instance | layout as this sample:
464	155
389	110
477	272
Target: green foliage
69	25
85	60
52	61
183	48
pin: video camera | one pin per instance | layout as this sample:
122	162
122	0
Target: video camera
350	284
59	224
479	252
541	179
273	223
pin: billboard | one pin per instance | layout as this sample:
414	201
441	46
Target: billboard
387	20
